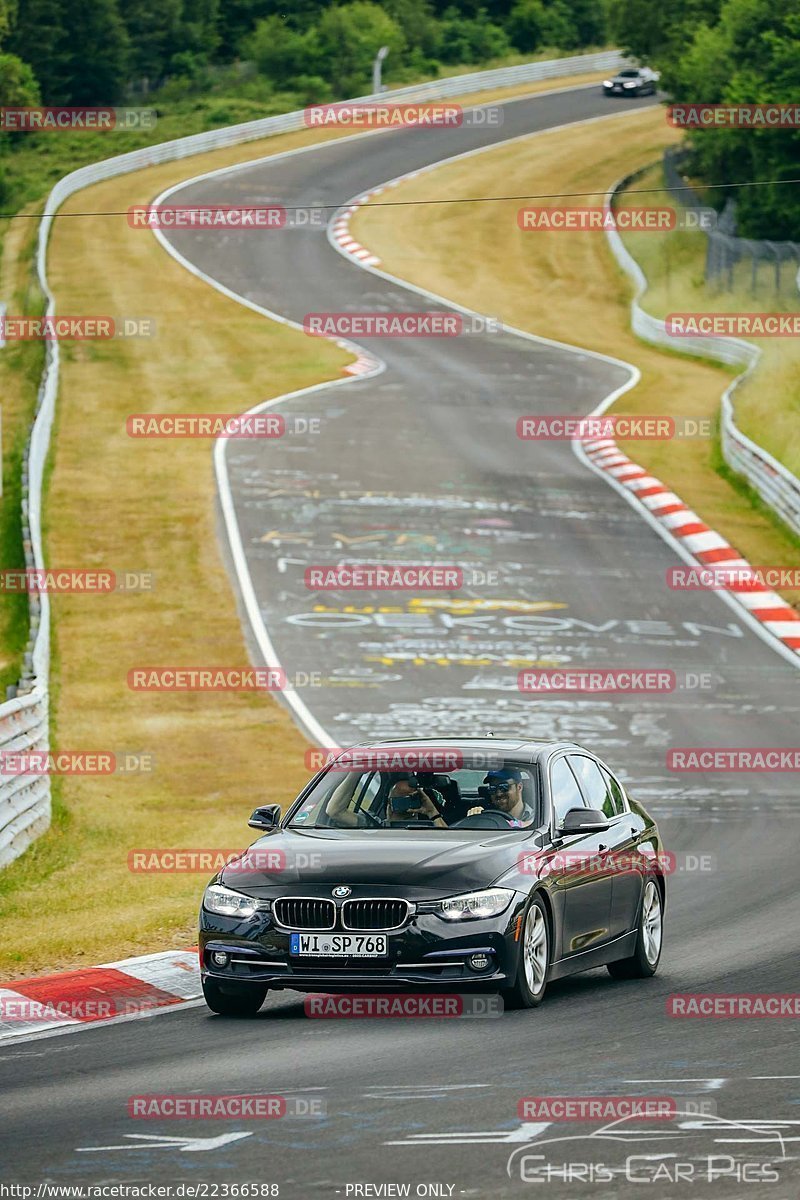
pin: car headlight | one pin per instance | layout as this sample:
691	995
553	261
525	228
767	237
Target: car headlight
629	85
227	903
607	83
475	905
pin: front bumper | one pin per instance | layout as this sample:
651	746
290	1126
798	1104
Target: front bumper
426	953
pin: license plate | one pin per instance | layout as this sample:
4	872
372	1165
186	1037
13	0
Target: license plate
339	945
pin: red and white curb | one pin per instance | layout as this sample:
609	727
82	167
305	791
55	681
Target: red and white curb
340	231
703	544
340	226
95	995
365	364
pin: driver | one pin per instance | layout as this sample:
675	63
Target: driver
505	794
409	801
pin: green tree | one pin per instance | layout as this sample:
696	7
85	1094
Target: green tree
94	53
18	84
38	38
751	56
239	21
536	23
349	36
588	18
79	52
472	39
421	30
200	28
526	25
658	32
8	14
559	28
734	52
281	52
154	31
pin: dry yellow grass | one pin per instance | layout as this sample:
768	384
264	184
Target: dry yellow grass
149	506
567	286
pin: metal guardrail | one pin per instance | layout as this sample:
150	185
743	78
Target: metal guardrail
774	482
25	800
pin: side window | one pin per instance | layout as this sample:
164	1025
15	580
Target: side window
366	792
615	795
564	790
592	783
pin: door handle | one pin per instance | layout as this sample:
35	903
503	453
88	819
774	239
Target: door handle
602	847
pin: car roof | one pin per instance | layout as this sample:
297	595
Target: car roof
524	748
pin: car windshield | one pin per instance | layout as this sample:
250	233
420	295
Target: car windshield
629	75
503	796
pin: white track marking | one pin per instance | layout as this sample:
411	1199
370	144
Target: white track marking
153	1141
712	1084
83	1026
462	1137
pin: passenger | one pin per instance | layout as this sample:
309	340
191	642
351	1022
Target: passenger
409	801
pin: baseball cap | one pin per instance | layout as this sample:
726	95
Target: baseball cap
504	775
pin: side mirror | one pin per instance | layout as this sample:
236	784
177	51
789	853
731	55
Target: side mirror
266	818
584	820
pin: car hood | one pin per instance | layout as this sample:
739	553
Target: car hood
419	865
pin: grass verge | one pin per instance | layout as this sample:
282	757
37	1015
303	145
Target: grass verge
566	286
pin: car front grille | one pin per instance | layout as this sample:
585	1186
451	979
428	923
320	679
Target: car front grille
374	914
304	912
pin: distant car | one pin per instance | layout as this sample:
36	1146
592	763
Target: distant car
519	863
633	81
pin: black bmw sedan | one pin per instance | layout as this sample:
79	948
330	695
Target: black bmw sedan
633	81
481	865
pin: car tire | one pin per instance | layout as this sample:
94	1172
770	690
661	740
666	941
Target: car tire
233	1002
643	963
534	959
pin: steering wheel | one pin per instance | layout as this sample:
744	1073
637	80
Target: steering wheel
497	820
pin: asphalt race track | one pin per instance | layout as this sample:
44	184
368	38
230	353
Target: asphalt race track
422	463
